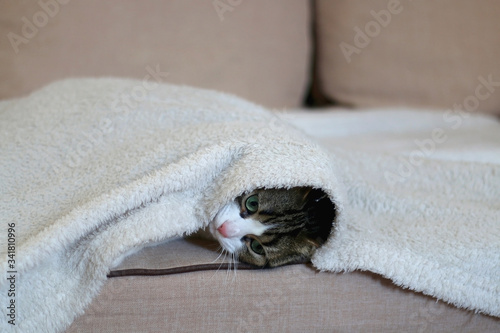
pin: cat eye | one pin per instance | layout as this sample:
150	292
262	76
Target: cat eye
252	203
257	247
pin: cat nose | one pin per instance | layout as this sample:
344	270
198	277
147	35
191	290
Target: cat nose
226	230
223	229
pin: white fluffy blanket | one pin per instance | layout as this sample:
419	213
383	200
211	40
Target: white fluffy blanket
91	169
423	200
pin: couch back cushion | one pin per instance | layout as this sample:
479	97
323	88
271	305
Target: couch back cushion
442	54
254	49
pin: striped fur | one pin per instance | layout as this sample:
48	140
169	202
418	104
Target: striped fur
298	219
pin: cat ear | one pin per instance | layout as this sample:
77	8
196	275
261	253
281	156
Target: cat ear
315	195
312	242
305	193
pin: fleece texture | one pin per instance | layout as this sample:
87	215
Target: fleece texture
423	199
94	168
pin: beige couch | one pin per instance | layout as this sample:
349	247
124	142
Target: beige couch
285	55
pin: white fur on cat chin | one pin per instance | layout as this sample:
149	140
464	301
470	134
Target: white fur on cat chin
239	227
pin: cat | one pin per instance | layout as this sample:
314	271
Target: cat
274	227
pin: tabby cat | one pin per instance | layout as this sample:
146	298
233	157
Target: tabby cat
273	227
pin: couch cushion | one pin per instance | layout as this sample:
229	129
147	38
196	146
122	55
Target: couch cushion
294	298
254	49
419	53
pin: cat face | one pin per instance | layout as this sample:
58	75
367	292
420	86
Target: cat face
274	227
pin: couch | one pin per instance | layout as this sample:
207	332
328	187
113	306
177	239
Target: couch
315	57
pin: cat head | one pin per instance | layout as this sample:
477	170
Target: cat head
274	227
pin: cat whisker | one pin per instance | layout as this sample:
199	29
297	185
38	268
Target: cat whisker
223	261
221	252
231	262
228	270
235	258
235	265
231	266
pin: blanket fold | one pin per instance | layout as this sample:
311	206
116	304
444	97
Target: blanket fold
87	177
438	232
91	170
